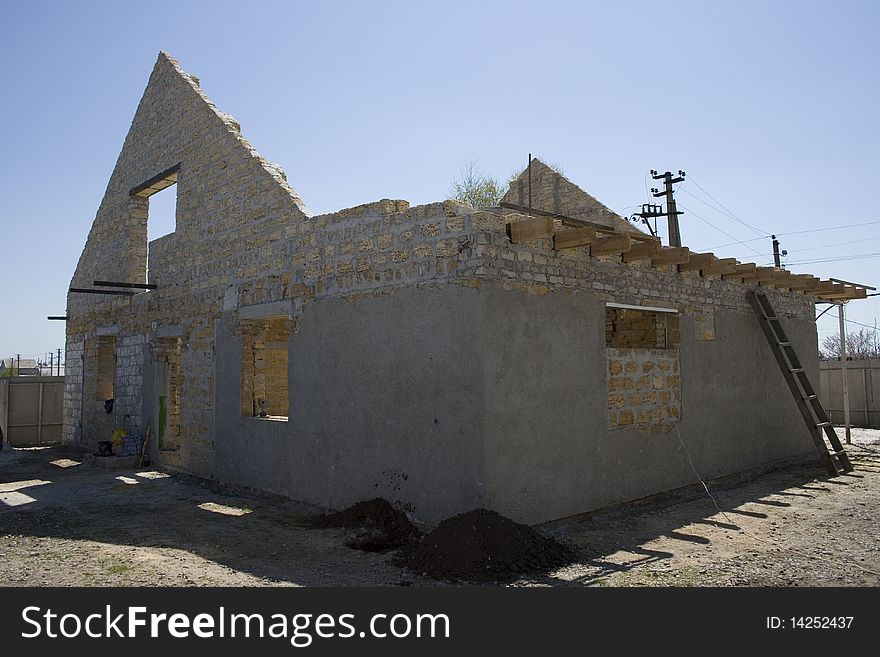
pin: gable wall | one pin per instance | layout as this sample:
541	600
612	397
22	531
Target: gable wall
233	212
553	192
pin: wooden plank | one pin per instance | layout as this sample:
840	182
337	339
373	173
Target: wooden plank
848	292
671	255
720	267
697	261
780	280
575	222
830	290
743	272
765	274
840	280
528	230
574	237
801	281
611	245
642	251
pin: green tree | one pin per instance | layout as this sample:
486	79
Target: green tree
476	188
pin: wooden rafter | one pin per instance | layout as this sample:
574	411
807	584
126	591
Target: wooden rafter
742	272
575	222
765	274
571	238
697	261
671	255
720	267
635	246
611	245
642	251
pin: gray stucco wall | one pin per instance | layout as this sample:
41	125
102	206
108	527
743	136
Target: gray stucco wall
450	398
549	451
386	400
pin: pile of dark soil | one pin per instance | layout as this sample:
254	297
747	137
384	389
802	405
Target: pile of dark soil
379	526
483	545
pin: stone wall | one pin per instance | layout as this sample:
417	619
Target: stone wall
644	389
536	267
264	363
73	392
130	354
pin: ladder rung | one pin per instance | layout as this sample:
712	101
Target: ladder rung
811	397
823	424
796	370
836	454
785	344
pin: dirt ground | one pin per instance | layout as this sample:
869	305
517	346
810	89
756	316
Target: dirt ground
64	522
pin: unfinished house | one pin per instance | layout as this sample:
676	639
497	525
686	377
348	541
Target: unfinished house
539	362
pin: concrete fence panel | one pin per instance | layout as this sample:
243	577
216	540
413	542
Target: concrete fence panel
31	410
863	385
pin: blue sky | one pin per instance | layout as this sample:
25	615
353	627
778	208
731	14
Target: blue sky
770	108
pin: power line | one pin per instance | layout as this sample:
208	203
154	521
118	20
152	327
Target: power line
729	213
852	321
828	246
858	256
703	219
795	232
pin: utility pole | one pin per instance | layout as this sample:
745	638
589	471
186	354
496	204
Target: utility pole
17	364
649	211
776	252
59	361
842	319
51	355
671	209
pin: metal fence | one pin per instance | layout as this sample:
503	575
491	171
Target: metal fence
863	388
31	410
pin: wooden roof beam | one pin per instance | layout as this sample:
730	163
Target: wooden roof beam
848	292
801	281
743	272
720	267
578	223
698	261
765	274
571	238
529	230
642	251
612	245
780	280
671	255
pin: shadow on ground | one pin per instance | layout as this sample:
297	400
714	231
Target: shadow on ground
48	494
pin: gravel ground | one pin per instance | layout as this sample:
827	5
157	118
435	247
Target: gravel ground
65	522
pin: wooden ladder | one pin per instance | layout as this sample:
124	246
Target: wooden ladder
834	459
